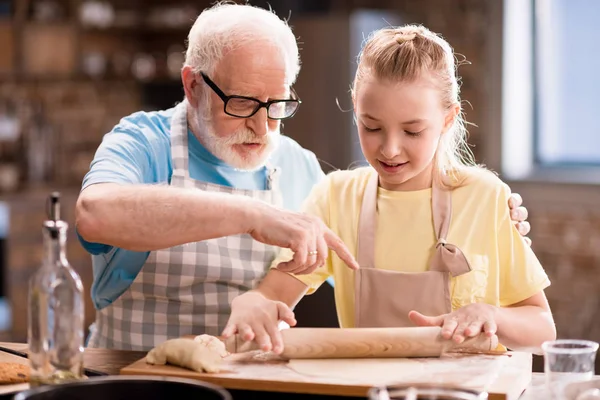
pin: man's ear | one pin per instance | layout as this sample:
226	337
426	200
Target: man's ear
191	86
451	115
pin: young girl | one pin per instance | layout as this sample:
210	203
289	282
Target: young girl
430	230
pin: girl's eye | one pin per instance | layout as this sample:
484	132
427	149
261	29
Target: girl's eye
366	128
414	134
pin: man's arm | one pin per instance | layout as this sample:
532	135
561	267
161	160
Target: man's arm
149	217
146	217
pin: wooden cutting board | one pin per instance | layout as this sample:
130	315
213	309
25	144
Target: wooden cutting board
505	377
16	387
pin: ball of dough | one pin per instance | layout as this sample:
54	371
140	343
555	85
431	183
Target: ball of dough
212	343
191	354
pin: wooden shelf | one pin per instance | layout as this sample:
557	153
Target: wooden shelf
138	29
7	44
81	78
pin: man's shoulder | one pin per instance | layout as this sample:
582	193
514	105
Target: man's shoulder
136	150
291	156
288	146
151	126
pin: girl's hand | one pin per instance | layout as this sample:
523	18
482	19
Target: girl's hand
254	317
468	321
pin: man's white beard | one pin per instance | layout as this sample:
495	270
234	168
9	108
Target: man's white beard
223	147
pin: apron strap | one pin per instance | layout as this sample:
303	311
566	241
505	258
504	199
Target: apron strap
273	180
447	257
179	141
367	224
180	152
273	176
441	208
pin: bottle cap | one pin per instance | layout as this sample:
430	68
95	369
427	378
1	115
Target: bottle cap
54	206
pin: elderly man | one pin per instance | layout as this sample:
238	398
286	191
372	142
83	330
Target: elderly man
184	209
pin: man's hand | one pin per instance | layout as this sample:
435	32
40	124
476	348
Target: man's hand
254	317
519	214
306	235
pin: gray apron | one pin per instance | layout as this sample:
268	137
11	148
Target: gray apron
187	289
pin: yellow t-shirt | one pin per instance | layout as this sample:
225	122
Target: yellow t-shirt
505	270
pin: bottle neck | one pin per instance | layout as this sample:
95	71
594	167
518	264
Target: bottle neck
55	241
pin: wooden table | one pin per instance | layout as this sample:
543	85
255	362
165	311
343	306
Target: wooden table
110	362
101	361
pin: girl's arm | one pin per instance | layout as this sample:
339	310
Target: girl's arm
525	325
522	320
255	315
283	287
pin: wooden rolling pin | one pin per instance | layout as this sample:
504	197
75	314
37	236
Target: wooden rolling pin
367	343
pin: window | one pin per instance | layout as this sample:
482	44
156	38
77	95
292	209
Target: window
551	90
567	84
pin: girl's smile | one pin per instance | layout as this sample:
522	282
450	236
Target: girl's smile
392	168
399	126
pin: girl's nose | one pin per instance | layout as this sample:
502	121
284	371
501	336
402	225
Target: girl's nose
391	148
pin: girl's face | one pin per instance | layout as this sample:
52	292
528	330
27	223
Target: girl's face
399	126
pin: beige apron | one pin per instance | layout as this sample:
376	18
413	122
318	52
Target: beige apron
384	298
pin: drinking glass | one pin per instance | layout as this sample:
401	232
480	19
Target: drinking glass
567	361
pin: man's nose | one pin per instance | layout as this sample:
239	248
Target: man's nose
259	123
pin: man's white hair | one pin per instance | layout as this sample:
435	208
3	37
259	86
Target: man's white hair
226	26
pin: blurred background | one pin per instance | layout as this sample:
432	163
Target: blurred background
70	69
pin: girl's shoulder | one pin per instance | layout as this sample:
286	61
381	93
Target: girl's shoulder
481	181
351	179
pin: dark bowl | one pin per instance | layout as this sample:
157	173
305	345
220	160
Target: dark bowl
425	391
127	387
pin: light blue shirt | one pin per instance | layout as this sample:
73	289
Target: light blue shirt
138	150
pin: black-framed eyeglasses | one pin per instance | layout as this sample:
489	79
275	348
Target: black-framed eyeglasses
245	107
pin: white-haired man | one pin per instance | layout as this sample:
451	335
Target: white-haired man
184	209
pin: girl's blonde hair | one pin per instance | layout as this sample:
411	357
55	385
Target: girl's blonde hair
406	53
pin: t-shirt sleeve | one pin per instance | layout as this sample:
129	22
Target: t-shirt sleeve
124	156
316	204
521	274
317	171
